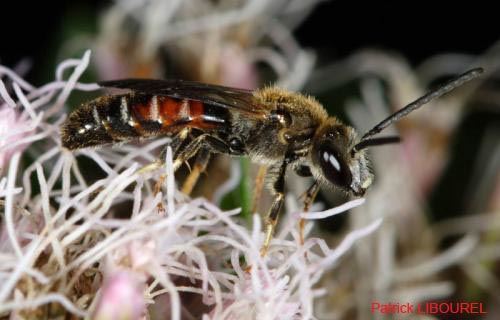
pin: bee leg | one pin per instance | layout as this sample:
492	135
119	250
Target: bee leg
157	188
176	143
155	165
189	151
279	197
184	154
200	165
308	200
259	185
179	143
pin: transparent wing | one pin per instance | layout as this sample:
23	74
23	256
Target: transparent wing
227	97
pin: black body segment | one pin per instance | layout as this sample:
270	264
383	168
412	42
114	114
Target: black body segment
118	118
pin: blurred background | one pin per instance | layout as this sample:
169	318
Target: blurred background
439	190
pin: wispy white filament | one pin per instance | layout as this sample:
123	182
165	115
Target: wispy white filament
5	95
230	184
169	171
333	211
9	206
70	84
349	240
45	299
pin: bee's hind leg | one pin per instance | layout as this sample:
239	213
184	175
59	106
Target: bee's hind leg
177	144
208	144
200	164
186	150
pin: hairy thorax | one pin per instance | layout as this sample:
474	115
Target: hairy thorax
291	120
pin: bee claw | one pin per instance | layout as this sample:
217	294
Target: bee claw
177	164
302	223
161	209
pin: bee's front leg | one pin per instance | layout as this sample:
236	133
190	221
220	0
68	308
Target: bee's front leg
278	188
309	197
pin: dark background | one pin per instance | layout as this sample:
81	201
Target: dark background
415	29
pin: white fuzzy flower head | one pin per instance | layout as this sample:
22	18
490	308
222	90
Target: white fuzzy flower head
13	128
65	251
267	302
121	297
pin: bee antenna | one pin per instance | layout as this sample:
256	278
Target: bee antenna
375	142
441	90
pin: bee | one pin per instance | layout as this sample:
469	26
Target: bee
272	126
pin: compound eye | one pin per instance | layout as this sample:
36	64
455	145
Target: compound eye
333	166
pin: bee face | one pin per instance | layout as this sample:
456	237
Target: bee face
337	163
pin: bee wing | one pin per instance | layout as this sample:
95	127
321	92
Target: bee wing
227	97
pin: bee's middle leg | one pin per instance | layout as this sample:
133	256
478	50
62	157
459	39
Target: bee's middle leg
273	215
259	185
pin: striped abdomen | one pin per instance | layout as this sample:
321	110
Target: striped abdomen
118	118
